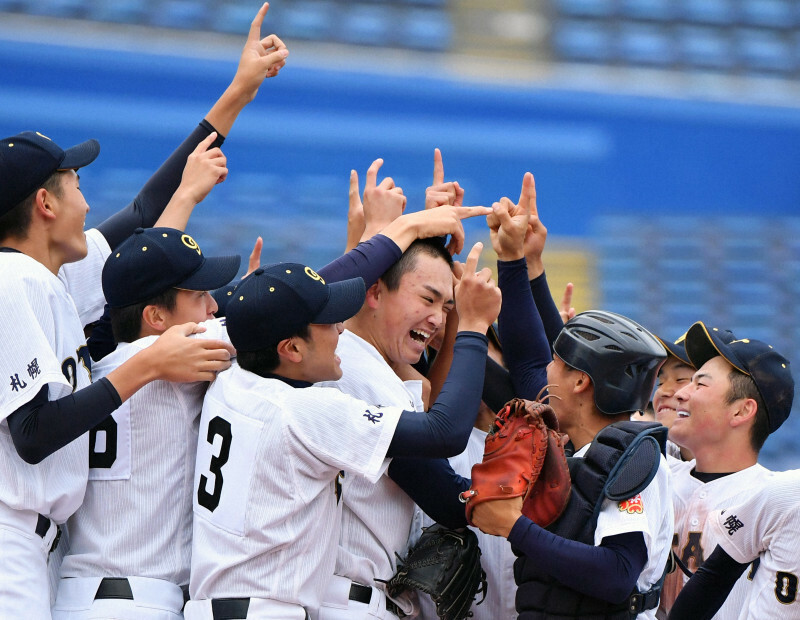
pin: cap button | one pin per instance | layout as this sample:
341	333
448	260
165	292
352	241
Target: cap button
138	231
258	272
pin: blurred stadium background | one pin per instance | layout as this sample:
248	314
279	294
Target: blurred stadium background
664	134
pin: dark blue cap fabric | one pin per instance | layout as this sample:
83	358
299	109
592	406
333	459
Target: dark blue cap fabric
28	159
276	301
678	349
154	260
769	370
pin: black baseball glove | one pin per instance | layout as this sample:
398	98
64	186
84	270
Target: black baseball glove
447	565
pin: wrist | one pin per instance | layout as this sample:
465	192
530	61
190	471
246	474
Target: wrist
474	325
535	268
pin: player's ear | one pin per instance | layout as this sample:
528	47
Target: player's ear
581	383
42	204
153	316
374	294
291	350
745	413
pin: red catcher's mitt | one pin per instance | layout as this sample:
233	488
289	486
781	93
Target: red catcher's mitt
524	456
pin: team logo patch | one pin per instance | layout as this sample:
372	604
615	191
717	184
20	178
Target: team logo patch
313	274
733	524
190	243
634	505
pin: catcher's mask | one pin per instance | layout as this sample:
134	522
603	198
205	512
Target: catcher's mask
620	356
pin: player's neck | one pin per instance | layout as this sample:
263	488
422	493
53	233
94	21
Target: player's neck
361	326
37	248
719	458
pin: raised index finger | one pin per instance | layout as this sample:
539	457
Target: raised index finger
372	173
438	167
471	265
467	212
255	26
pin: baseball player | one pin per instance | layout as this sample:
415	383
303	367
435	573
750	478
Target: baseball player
265	546
602	557
141	458
741	392
761	530
403	312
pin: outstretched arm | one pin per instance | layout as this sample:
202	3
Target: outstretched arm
261	58
706	591
525	348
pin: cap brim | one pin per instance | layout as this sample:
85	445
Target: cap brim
216	271
344	301
676	350
80	155
703	344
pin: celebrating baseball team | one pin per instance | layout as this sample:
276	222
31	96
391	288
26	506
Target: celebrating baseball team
391	435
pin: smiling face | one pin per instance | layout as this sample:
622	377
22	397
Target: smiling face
69	206
674	375
703	411
409	317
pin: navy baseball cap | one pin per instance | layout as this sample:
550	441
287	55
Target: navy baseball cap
276	301
28	159
769	370
154	260
678	348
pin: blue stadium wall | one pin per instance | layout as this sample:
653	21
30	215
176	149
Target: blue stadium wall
696	180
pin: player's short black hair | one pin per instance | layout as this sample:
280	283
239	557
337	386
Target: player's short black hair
743	386
16	222
408	261
264	361
126	322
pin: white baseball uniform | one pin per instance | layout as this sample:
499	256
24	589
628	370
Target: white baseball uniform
693	540
136	518
267	489
651	513
43	344
376	518
765	525
497	559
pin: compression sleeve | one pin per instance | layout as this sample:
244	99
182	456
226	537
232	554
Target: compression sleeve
526	351
369	259
42	426
706	591
434	487
444	430
551	318
148	205
608	571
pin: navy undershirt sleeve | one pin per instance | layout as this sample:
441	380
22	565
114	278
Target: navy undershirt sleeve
498	388
101	341
608	571
42	426
548	311
148	205
706	591
369	259
434	487
444	430
526	351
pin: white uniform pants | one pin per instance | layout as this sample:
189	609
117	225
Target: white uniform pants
153	599
258	609
24	582
338	606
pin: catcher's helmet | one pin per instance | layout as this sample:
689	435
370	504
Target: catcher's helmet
620	356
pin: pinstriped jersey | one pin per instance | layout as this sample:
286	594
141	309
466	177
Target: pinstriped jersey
766	525
694	540
267	484
41	328
136	517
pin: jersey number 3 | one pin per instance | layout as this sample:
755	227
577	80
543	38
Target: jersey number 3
221	427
